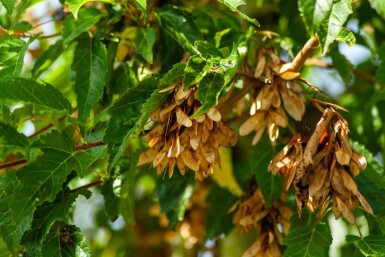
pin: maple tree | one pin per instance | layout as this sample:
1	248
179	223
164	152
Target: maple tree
200	124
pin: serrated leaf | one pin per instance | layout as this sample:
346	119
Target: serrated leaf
229	65
30	91
111	200
125	113
307	239
314	12
144	41
270	185
173	195
180	26
342	65
54	245
46	215
90	67
9	5
331	26
42	179
72	28
142	4
234	4
346	36
218	218
11	140
207	50
47	58
12	50
372	245
75	5
127	195
379	7
194	71
11	234
209	90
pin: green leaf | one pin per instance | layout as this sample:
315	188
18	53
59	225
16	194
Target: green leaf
30	91
22	26
46	215
127	195
123	78
4	252
194	71
125	113
9	5
75	5
342	65
180	26
229	65
379	7
372	245
233	5
307	239
218	219
72	27
346	36
270	185
207	50
173	195
144	41
330	27
90	67
142	4
380	72
11	234
314	12
111	200
47	58
42	179
66	242
11	140
209	90
12	50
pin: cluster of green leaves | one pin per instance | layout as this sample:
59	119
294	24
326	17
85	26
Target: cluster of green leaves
99	82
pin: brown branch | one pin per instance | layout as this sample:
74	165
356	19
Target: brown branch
12	163
304	54
358	73
89	145
92	184
38	132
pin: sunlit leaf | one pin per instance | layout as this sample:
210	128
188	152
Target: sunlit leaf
47	58
30	91
72	27
314	12
90	68
194	71
307	239
9	5
144	42
372	245
75	5
233	6
142	4
331	26
346	36
207	50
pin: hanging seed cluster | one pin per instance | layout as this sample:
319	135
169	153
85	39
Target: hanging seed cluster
279	91
322	169
178	140
271	223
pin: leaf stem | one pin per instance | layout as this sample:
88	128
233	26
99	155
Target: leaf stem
92	184
304	54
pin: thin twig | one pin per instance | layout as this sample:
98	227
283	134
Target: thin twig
12	163
92	184
38	132
89	145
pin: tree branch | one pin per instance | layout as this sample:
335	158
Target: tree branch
92	184
304	54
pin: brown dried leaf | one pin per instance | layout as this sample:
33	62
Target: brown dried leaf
182	118
181	166
189	160
214	114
